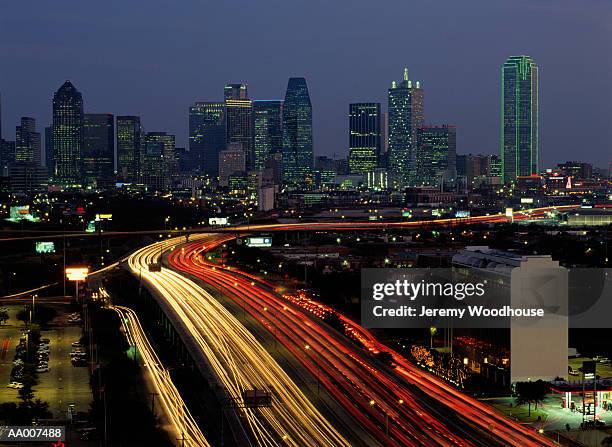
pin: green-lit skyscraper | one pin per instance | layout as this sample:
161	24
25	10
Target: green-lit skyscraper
519	140
67	134
297	133
364	137
406	115
267	129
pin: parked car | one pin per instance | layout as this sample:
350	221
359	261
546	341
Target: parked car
15	385
45	340
79	361
42	368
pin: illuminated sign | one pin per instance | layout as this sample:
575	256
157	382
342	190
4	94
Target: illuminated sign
526	199
218	221
77	273
259	241
20	212
45	247
462	213
106	216
509	213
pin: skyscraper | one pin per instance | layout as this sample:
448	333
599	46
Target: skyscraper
364	137
159	160
0	118
436	160
98	150
297	133
207	135
26	173
49	149
27	142
7	149
130	148
232	162
519	140
238	118
268	130
406	115
67	134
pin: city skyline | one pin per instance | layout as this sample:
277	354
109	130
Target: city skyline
446	67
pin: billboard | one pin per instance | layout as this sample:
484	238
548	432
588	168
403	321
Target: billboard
218	221
19	212
526	199
462	213
45	247
264	241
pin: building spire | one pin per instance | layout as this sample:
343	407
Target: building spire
405	73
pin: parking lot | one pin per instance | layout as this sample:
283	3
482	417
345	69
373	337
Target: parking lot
10	332
64	384
604	370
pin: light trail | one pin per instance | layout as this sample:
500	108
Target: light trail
182	424
238	361
369	394
355	366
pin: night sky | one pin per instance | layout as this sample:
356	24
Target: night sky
154	58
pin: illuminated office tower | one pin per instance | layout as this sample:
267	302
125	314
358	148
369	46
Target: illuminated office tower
238	118
98	150
27	142
519	140
26	174
159	161
268	130
49	149
436	157
130	148
7	150
297	133
67	134
232	162
364	137
206	135
406	116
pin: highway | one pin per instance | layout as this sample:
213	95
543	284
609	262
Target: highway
181	423
348	225
383	400
238	360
